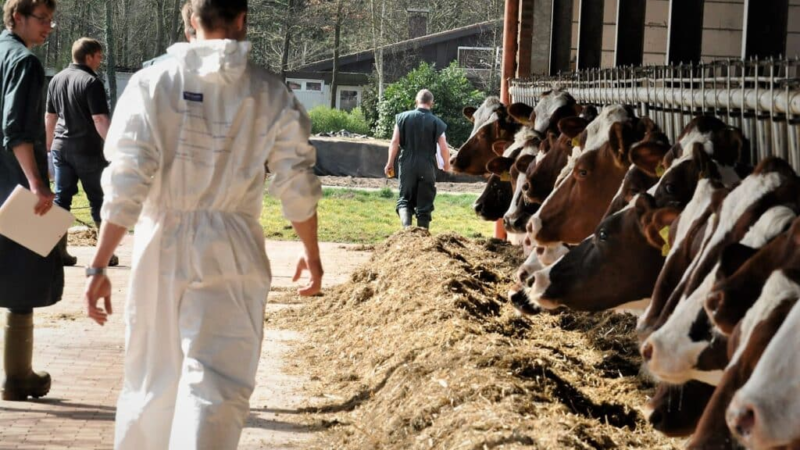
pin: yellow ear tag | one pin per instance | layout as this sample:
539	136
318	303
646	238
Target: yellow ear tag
660	169
505	176
576	142
664	233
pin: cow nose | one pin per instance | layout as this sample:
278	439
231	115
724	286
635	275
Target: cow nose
540	250
478	207
656	419
713	302
647	351
507	223
741	420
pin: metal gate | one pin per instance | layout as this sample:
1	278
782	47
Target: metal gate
760	97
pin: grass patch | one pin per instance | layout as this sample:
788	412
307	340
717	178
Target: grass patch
368	217
354	216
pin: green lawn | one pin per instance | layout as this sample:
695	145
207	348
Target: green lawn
356	216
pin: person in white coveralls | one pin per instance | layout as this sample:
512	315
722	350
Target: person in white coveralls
187	148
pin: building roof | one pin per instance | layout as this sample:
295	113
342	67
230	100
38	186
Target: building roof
430	39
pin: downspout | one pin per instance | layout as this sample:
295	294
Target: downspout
510	31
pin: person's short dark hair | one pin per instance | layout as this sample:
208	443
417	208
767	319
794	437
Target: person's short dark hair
216	14
84	47
424	97
186	14
24	7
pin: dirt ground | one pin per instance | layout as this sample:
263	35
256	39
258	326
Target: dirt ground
420	349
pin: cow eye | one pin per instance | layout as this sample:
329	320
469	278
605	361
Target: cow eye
583	173
670	188
602	235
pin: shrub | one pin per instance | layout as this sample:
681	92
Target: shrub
324	120
451	89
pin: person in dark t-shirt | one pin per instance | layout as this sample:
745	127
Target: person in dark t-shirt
77	122
417	132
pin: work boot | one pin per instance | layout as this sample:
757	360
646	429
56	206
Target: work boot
423	222
66	259
21	381
114	261
405	217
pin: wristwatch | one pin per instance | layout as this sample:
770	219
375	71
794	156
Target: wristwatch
92	271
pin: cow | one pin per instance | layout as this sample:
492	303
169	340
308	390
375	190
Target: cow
765	412
686	346
492	125
495	198
753	335
675	410
576	205
741	283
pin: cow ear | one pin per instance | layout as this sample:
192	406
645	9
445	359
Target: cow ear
469	113
522	163
646	125
730	147
521	113
656	223
499	165
588	112
732	258
647	156
499	147
773	164
572	127
569	110
619	136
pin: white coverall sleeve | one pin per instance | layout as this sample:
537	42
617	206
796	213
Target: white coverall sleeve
291	161
132	152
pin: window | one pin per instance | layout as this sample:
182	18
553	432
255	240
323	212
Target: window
313	86
293	85
348	99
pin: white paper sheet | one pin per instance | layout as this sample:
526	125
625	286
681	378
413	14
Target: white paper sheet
39	234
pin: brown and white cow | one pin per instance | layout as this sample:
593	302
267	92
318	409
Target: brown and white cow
492	125
741	284
753	335
765	412
576	205
675	410
686	346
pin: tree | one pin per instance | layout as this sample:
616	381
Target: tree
110	59
451	89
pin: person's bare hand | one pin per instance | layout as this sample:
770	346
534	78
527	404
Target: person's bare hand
97	287
389	169
45	197
314	267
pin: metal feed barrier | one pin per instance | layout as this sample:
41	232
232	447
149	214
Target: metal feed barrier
760	97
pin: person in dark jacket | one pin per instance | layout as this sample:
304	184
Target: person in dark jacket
417	132
27	280
76	123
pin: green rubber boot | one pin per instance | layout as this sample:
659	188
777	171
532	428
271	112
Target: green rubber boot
21	381
405	217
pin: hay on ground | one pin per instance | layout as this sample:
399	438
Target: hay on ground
421	350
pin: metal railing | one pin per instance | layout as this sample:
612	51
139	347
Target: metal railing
761	97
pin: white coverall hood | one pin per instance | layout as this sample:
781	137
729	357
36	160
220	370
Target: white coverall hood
216	61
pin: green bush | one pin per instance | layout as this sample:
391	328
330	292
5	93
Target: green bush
451	89
324	120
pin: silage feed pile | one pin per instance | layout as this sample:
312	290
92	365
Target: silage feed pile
421	350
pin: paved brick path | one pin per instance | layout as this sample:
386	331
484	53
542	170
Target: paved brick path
85	361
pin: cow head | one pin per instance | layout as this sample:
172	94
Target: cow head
763	413
753	337
577	204
495	198
626	247
491	125
556	150
518	214
687	346
675	410
743	272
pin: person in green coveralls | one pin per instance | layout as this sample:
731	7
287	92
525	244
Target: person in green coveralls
27	280
417	132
